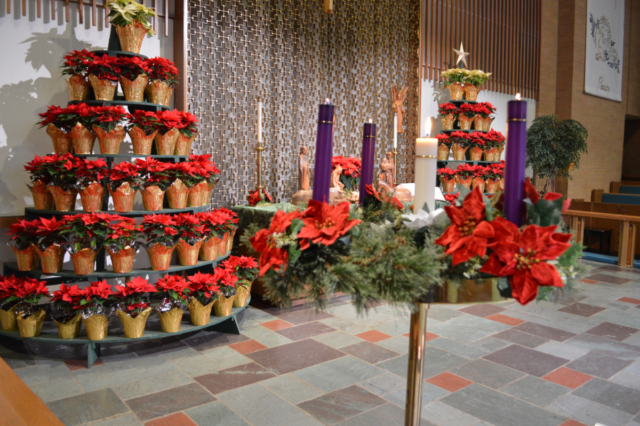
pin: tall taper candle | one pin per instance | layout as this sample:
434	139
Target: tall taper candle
395	131
324	153
368	159
259	121
515	160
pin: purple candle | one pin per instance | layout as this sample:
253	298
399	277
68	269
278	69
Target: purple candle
515	161
324	153
368	154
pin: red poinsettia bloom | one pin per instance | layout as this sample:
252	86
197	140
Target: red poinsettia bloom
532	194
266	242
225	277
138	285
451	198
70	294
7	286
324	223
254	198
383	197
468	234
47	226
30	287
173	282
97	290
206	283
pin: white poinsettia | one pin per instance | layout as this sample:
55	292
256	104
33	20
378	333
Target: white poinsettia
422	219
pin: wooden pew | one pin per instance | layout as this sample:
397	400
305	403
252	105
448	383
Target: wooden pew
614	187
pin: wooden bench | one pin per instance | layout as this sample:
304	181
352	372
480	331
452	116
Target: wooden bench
614	187
628	189
628	199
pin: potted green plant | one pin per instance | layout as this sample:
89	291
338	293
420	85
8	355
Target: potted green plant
473	81
453	79
76	65
131	20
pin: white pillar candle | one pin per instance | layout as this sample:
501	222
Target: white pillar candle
426	169
395	131
259	121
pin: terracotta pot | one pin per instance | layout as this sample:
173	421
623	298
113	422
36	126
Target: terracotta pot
134	327
194	197
31	326
109	142
443	152
122	261
465	182
492	154
92	197
242	294
471	92
492	186
183	144
27	258
96	326
223	306
152	198
64	200
82	139
84	261
159	93
448	185
104	89
142	143
79	88
123	198
134	90
223	245
170	320
458	152
200	314
166	144
177	195
486	125
209	249
456	91
501	185
131	36
8	319
51	259
188	254
61	140
42	198
230	238
475	153
71	329
465	122
478	182
160	256
447	121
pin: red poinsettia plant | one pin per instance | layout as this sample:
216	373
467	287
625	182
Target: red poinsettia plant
465	171
147	121
7	288
482	172
133	297
97	298
259	196
203	287
89	172
169	120
230	219
154	173
56	116
27	292
85	230
461	138
351	170
24	233
162	69
66	302
244	267
466	110
104	67
109	118
49	232
443	139
122	232
204	168
382	197
173	291
160	229
124	172
484	109
447	108
477	140
494	139
188	124
190	228
77	62
226	280
446	173
451	198
57	169
132	67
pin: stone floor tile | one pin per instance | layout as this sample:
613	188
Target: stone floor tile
307	421
562	350
176	419
489	344
345	325
487	373
385	415
337	406
526	360
588	412
58	388
606	346
152	384
520	338
265	336
544	331
612	331
247	347
611	394
169	401
572	423
303	316
500	409
191	362
633	340
261	407
630	300
457	348
79	364
215	414
396	327
252	316
567	377
443	314
42	373
128	419
449	382
429	393
505	319
444	415
276	325
295	356
399	344
581	309
482	310
291	388
597	364
634	368
338	373
225	357
458	332
204	340
304	331
88	407
235	377
337	339
535	391
384	384
373	336
436	361
626	379
478	322
606	278
369	352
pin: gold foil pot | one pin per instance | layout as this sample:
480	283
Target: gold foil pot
458	152
158	92
475	153
109	142
242	294
456	91
465	122
492	186
501	185
166	144
96	326
232	234
134	327
465	182
447	121
123	198
188	254
82	139
79	88
131	36
51	259
42	198
27	258
61	140
478	182
200	314
222	307
177	195
152	198
71	329
183	144
170	320
492	154
142	143
8	320
64	200
104	89
448	185
194	197
160	256
224	244
486	125
84	261
206	194
471	92
122	261
30	326
209	249
92	197
134	90
443	152
478	122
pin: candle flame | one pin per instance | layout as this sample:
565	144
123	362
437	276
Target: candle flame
371	120
518	97
428	127
327	101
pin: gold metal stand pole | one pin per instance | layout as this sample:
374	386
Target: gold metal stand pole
395	163
417	334
259	148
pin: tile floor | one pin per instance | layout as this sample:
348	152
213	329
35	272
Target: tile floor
548	364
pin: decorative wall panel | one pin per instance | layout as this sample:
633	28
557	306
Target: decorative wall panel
293	56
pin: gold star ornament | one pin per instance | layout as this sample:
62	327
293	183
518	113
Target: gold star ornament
462	56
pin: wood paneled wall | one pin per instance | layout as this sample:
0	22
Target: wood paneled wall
503	38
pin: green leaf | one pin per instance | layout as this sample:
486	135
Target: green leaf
571	256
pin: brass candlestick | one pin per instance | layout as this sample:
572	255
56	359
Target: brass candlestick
259	148
395	164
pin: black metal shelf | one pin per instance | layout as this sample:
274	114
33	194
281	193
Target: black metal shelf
31	213
133	106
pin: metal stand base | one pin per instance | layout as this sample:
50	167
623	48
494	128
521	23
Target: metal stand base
417	334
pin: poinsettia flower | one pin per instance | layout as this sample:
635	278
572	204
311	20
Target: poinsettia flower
324	223
384	197
173	283
30	287
97	290
69	294
205	283
225	277
47	226
532	194
8	286
270	244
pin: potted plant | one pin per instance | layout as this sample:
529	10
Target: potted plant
76	65
123	181
173	291
182	177
226	281
155	179
162	236
131	20
90	184
191	233
58	128
40	181
82	137
108	125
483	119
84	235
27	293
448	113
477	146
188	131
49	244
97	306
163	76
459	144
168	131
133	307
213	223
65	310
499	171
143	127
465	174
24	234
554	148
7	311
473	81
205	172
133	77
465	116
494	145
203	291
453	79
479	177
229	227
492	175
448	179
245	269
259	196
121	242
103	76
350	175
62	172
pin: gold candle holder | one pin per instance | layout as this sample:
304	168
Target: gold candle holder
395	163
